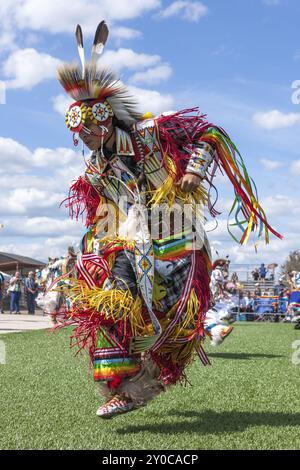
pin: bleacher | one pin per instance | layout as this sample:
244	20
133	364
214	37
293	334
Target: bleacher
245	278
268	306
252	285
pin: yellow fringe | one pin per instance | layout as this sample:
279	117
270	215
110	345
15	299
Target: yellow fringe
129	245
168	192
115	304
192	309
188	323
187	326
196	197
159	291
181	354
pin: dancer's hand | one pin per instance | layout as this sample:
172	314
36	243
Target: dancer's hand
189	182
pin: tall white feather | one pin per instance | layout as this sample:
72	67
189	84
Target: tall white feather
79	38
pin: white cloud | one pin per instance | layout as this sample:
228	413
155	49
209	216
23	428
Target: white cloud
41	248
17	158
295	167
279	205
26	68
128	59
57	16
121	32
14	157
61	103
28	249
30	200
271	164
7	38
153	75
56	246
51	158
275	119
151	100
41	181
190	11
7	30
41	226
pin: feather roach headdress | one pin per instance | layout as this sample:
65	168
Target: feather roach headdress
89	82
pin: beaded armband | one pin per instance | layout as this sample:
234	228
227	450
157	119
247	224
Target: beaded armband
200	159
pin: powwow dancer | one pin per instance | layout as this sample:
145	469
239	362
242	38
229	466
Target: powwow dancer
140	286
215	325
52	298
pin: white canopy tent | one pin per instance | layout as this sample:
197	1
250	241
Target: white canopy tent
6	276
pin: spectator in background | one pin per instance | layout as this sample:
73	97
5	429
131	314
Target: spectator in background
290	279
2	292
234	278
242	301
262	272
255	274
279	289
252	303
247	301
15	293
226	270
31	289
257	291
271	270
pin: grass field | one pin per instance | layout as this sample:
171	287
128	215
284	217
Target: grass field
248	399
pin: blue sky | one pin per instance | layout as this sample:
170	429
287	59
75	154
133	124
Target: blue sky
234	59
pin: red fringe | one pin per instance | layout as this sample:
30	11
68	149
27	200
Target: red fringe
178	130
115	383
83	198
87	324
171	372
201	285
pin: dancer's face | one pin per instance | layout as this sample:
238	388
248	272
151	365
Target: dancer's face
93	139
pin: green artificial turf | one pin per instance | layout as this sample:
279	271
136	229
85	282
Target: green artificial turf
248	399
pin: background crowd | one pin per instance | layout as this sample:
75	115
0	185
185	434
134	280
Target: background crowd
15	288
266	295
19	292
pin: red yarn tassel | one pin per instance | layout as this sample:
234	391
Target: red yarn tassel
83	198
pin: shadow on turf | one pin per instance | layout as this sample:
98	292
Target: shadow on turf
210	422
243	356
